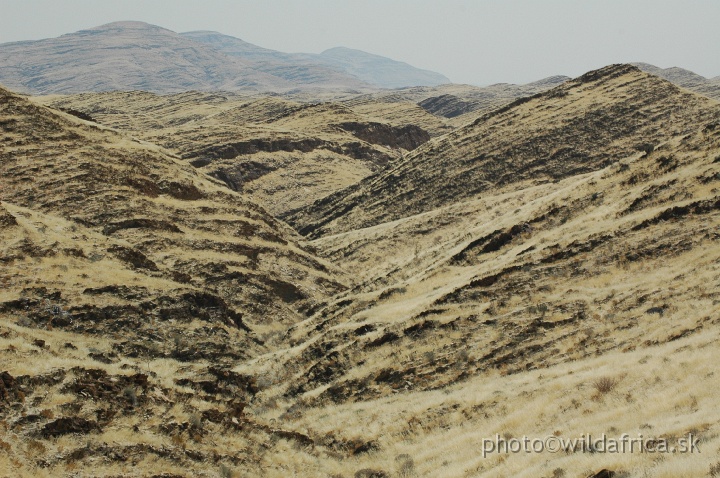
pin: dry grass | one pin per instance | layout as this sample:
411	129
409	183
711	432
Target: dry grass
597	319
605	385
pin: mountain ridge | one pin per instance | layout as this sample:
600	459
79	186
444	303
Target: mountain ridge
137	55
687	79
468	169
369	69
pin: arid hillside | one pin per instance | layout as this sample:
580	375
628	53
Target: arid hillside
289	151
578	127
131	285
460	104
285	153
547	267
585	302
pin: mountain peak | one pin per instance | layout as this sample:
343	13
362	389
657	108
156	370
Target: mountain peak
347	50
128	25
134	55
608	72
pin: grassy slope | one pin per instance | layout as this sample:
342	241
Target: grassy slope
131	284
580	126
460	327
500	312
286	154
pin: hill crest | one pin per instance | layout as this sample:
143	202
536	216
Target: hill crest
545	137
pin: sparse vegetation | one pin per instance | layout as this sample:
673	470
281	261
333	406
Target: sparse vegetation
226	471
605	385
130	394
191	332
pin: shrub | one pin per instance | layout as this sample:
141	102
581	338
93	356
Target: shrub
370	473
226	472
131	395
406	465
195	421
605	385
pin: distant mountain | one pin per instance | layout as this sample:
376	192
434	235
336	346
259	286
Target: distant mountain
333	65
679	76
299	68
139	56
125	56
381	71
685	78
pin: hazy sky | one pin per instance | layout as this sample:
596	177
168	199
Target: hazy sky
479	42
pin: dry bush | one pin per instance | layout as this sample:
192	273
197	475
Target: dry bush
226	472
406	465
604	385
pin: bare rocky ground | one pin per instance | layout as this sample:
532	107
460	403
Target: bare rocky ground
550	268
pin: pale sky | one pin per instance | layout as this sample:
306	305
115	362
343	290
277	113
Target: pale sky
478	42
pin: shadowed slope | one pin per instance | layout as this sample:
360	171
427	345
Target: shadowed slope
130	284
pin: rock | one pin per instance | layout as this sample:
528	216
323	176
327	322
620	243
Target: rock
370	473
133	257
604	473
6	219
385	339
78	114
101	357
183	191
366	447
68	425
8	389
407	137
140	223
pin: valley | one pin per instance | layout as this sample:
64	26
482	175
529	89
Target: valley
357	281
